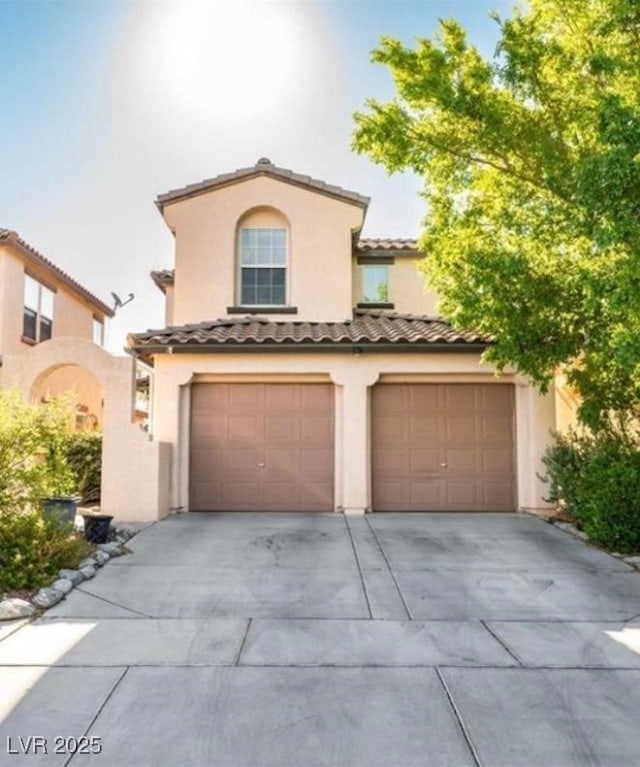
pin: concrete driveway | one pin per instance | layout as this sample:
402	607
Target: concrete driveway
254	640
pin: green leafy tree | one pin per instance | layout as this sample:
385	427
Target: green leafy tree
531	163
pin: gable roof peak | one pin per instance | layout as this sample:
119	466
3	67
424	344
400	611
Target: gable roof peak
263	167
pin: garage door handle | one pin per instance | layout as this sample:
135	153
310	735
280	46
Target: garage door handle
443	465
261	465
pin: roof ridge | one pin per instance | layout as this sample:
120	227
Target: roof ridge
265	167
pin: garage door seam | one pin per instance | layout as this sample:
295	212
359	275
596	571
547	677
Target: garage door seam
391	573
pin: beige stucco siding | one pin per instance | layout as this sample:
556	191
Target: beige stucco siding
320	231
353	377
408	291
72	316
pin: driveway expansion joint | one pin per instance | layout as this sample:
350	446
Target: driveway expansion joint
391	573
459	720
358	565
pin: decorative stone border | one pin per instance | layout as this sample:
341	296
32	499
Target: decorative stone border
48	596
569	527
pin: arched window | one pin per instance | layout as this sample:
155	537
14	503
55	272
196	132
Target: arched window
263	244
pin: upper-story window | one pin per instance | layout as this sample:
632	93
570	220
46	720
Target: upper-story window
263	266
98	331
375	284
37	320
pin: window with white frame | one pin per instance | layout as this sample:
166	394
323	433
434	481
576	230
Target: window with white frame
263	266
37	318
98	331
375	284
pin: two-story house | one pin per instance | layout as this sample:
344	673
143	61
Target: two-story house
303	368
38	302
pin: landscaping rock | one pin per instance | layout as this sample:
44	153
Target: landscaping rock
63	585
10	609
88	562
47	597
101	558
112	549
120	540
634	560
88	571
75	576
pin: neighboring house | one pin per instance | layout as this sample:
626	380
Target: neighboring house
38	302
304	368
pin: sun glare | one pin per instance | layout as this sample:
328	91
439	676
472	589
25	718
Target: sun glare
223	60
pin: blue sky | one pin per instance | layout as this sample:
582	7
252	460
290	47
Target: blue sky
108	104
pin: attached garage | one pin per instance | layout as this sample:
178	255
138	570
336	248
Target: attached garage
443	447
262	447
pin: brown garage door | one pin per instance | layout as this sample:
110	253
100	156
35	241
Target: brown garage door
443	447
261	447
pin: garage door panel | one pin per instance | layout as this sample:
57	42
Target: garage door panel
390	428
461	397
316	430
463	462
256	446
205	460
498	496
315	463
392	493
424	426
424	461
496	462
425	493
422	400
281	428
391	462
467	427
240	398
462	429
496	429
203	493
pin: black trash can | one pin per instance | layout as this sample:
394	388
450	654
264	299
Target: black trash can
61	508
96	527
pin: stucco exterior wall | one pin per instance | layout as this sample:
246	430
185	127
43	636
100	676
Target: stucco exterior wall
72	315
408	291
320	232
135	470
353	375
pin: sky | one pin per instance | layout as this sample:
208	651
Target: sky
108	104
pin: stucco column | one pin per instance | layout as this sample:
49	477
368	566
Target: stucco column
352	437
536	421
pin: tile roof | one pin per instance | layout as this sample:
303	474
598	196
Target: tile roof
369	244
263	167
367	328
163	277
36	258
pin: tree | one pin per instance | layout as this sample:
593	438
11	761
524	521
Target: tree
531	163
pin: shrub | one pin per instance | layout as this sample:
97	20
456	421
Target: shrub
596	478
33	548
33	464
83	452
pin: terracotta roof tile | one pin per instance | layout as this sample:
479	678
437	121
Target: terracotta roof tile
367	328
263	167
369	244
33	255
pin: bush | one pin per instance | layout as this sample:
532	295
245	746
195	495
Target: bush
83	452
596	479
33	548
33	464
